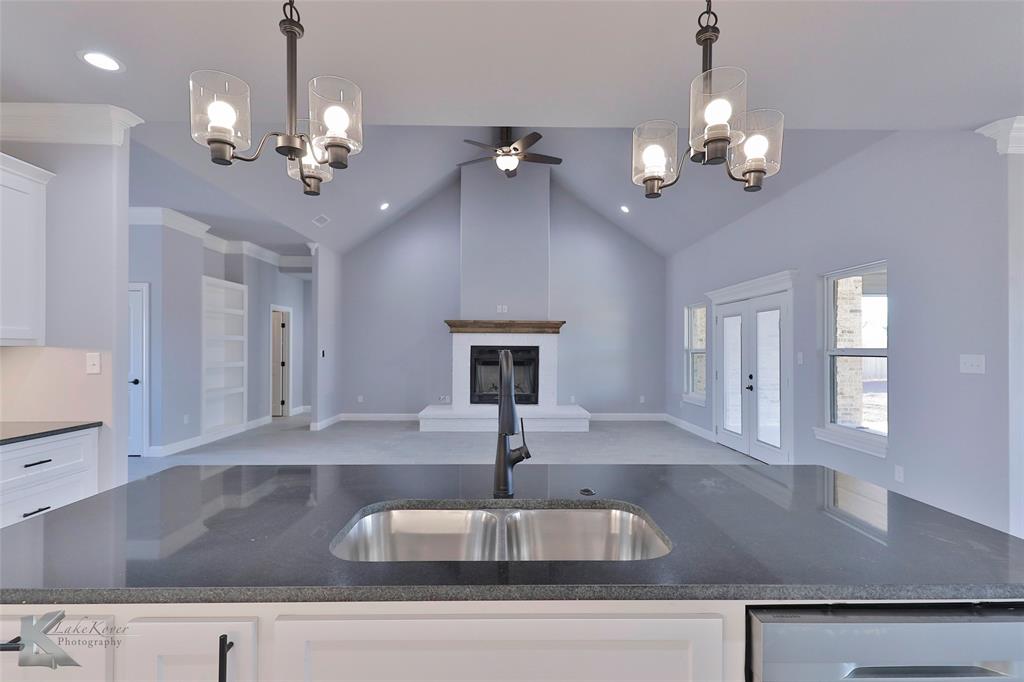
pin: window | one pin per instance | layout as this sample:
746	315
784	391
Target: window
856	357
696	354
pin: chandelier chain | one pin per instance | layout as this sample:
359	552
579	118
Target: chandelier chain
291	12
707	17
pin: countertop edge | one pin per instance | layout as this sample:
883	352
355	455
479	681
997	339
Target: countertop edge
417	593
50	432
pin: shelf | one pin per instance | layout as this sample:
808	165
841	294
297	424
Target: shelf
225	338
214	310
217	391
225	354
224	365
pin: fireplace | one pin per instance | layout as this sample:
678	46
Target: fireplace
484	376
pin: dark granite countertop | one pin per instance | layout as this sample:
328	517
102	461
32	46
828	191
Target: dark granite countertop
262	533
15	432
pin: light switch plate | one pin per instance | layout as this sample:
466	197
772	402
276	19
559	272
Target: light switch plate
92	363
972	364
898	473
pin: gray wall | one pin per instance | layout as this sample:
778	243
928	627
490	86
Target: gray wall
398	288
944	236
327	294
505	247
172	263
610	289
87	268
213	263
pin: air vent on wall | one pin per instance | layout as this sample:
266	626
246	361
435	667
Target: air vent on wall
321	220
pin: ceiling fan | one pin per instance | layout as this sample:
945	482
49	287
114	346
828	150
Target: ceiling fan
509	153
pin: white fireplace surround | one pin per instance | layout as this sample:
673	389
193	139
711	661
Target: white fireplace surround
546	415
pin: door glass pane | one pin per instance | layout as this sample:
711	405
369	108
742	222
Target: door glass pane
732	373
769	373
860	390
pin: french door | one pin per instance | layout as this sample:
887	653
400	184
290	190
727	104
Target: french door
753	377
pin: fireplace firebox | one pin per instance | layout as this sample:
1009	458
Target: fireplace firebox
484	376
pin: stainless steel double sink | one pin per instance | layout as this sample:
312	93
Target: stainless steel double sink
611	531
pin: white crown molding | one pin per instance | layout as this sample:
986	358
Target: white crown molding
1008	134
762	286
26	170
167	217
215	243
254	251
65	123
296	261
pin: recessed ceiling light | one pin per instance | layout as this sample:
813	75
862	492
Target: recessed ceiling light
624	208
100	60
384	206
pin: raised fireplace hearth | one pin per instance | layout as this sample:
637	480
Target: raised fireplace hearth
485	377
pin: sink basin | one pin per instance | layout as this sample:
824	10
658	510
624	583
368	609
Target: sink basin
420	535
582	535
609	531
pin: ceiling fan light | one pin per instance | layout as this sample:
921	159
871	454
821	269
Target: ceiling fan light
336	114
507	162
219	108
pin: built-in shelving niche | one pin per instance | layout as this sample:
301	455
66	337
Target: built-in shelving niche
225	354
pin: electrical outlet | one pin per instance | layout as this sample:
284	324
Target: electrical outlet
898	473
359	398
800	358
184	419
643	399
444	399
972	364
92	363
572	399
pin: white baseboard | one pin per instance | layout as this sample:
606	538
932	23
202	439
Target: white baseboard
302	409
628	416
204	438
362	417
706	434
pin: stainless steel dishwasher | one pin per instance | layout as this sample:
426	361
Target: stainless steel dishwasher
941	643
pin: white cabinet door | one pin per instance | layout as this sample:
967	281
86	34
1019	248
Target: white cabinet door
22	252
186	650
90	647
524	649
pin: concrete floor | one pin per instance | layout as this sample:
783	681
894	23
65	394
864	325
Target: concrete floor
289	441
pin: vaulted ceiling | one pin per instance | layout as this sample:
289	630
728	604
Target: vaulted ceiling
844	72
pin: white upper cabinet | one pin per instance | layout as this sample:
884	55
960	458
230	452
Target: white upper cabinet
22	252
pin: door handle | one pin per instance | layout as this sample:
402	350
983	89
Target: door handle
134	381
13	645
749	387
224	646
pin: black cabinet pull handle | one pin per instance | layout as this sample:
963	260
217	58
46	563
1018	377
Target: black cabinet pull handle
35	464
13	645
33	513
222	658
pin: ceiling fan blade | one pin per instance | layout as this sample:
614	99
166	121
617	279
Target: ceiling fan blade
540	158
483	158
526	141
488	147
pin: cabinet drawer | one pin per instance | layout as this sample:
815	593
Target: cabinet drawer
187	650
32	461
32	501
93	652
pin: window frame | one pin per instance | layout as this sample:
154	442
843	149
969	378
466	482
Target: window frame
689	395
870	442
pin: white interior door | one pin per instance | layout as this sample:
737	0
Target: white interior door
753	377
138	374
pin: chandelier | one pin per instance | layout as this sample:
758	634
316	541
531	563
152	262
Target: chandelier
221	118
722	131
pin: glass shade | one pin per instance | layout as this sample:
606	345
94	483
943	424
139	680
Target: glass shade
310	166
655	151
718	105
336	113
219	105
762	148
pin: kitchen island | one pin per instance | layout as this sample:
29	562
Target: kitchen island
193	552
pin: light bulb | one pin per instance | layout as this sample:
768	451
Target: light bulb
507	162
655	160
755	147
337	121
718	111
222	115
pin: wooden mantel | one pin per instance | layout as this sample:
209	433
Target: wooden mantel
504	326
